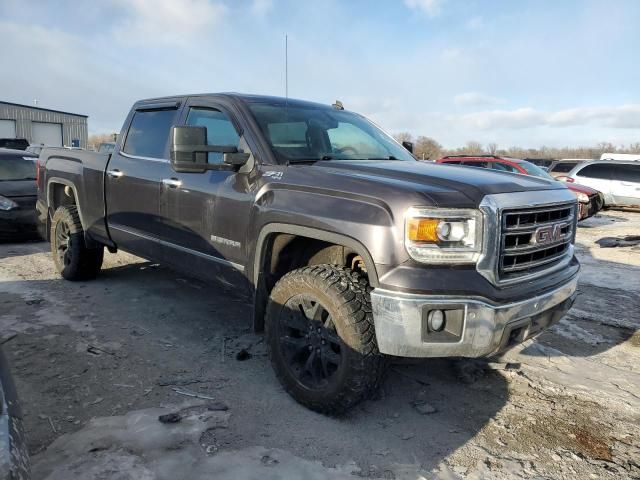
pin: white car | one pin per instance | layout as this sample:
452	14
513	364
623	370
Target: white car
619	181
620	156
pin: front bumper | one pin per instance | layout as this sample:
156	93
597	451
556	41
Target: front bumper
477	328
18	221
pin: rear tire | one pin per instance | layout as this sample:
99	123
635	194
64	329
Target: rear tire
71	256
321	338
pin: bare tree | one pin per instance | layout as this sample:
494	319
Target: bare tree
96	139
403	137
426	148
492	148
471	148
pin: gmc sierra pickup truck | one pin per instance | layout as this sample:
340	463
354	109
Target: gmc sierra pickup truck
351	250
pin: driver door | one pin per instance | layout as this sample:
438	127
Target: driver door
205	215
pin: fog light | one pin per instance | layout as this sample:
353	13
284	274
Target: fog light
436	320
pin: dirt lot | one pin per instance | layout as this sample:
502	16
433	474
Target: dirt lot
97	362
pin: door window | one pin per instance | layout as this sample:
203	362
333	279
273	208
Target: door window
149	133
596	170
220	129
626	173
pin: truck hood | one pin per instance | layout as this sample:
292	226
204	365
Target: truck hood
18	188
448	185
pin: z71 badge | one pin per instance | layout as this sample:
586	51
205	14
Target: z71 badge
273	174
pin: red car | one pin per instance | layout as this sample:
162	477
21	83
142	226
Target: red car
589	200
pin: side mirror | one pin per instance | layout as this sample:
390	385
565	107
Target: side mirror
408	146
237	159
189	151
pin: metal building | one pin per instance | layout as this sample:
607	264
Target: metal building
43	126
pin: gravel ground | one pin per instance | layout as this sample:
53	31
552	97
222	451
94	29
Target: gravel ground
97	362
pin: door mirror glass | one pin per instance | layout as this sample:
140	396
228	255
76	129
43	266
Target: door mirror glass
185	153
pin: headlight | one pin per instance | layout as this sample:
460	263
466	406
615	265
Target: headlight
7	203
582	197
435	235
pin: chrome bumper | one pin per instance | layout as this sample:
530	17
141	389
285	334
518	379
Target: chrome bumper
482	329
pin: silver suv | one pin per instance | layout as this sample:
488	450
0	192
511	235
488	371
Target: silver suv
619	181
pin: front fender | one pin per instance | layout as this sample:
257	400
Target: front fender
362	223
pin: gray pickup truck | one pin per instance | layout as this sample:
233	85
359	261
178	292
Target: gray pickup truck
351	250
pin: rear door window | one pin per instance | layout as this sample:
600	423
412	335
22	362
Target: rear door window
148	134
626	173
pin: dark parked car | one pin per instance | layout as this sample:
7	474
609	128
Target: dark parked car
590	201
14	460
18	193
560	168
541	162
14	143
349	247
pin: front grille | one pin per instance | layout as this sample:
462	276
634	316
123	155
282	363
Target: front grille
535	239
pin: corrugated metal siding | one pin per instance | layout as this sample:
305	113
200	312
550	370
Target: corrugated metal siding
72	126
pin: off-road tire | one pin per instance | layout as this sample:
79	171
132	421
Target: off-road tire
78	262
345	296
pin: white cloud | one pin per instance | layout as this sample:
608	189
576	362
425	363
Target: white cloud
431	8
167	22
623	116
475	99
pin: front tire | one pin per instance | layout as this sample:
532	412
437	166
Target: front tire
71	256
321	338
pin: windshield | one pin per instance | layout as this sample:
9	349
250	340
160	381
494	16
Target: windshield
535	170
17	169
298	134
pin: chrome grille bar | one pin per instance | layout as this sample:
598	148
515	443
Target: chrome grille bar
534	239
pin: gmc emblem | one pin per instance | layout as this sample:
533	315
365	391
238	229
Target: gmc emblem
548	234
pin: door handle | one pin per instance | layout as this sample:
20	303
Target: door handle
171	182
115	173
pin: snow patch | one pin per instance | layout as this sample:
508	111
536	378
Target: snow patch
568	329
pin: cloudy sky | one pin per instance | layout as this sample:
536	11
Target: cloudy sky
525	73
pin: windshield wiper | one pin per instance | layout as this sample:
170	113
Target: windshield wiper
390	157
